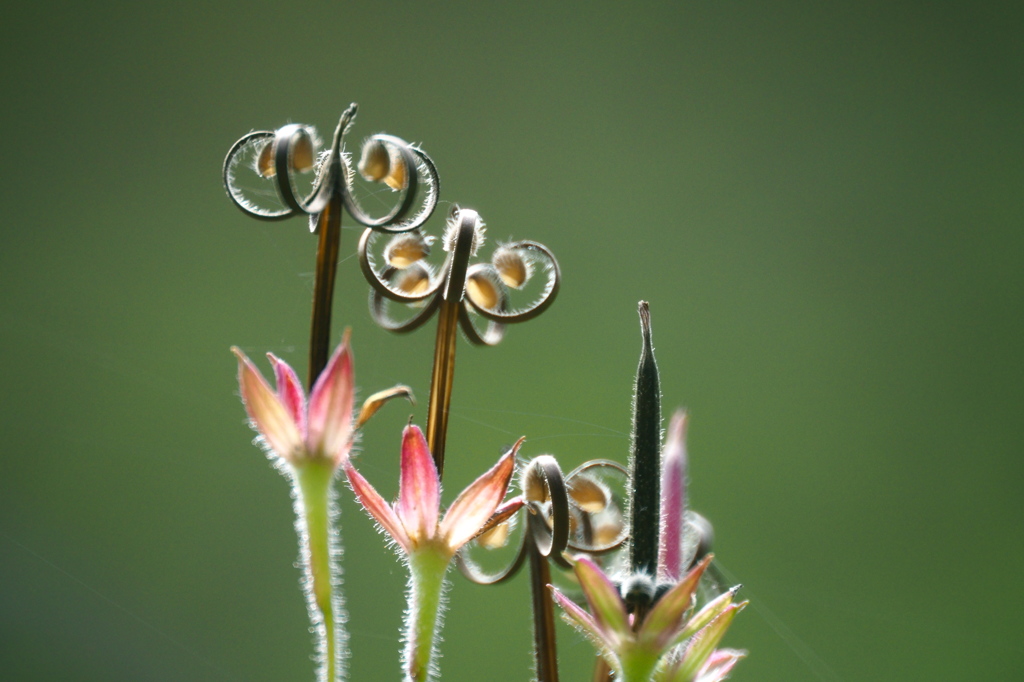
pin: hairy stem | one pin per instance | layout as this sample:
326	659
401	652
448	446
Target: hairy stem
322	578
638	665
427	567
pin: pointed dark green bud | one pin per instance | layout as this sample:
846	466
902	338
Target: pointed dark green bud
645	458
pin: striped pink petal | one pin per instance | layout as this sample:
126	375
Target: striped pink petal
289	391
376	507
584	621
329	429
719	665
605	603
664	619
419	491
268	414
474	505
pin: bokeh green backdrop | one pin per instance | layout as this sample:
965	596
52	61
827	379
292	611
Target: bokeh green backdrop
822	202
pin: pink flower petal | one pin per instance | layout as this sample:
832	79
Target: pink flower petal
673	498
474	505
269	416
719	665
375	505
329	429
604	600
663	620
419	491
584	621
289	391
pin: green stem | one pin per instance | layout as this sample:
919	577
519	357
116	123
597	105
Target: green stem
315	508
427	566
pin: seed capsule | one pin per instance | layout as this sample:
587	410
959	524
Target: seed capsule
374	161
405	249
302	158
534	488
414	280
265	161
513	268
606	534
495	537
484	288
588	494
396	177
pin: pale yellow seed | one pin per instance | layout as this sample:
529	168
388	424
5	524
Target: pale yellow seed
482	290
534	489
374	162
303	156
405	249
265	162
396	177
495	537
588	494
606	534
513	269
414	281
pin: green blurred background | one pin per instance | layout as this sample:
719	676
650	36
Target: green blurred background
823	204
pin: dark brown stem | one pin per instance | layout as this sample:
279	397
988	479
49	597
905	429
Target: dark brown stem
329	228
441	380
545	651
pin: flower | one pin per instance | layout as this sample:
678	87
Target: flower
634	650
412	521
429	544
291	429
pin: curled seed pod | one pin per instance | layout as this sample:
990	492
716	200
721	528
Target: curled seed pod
414	280
374	160
452	228
513	266
484	288
495	537
405	249
588	494
534	488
